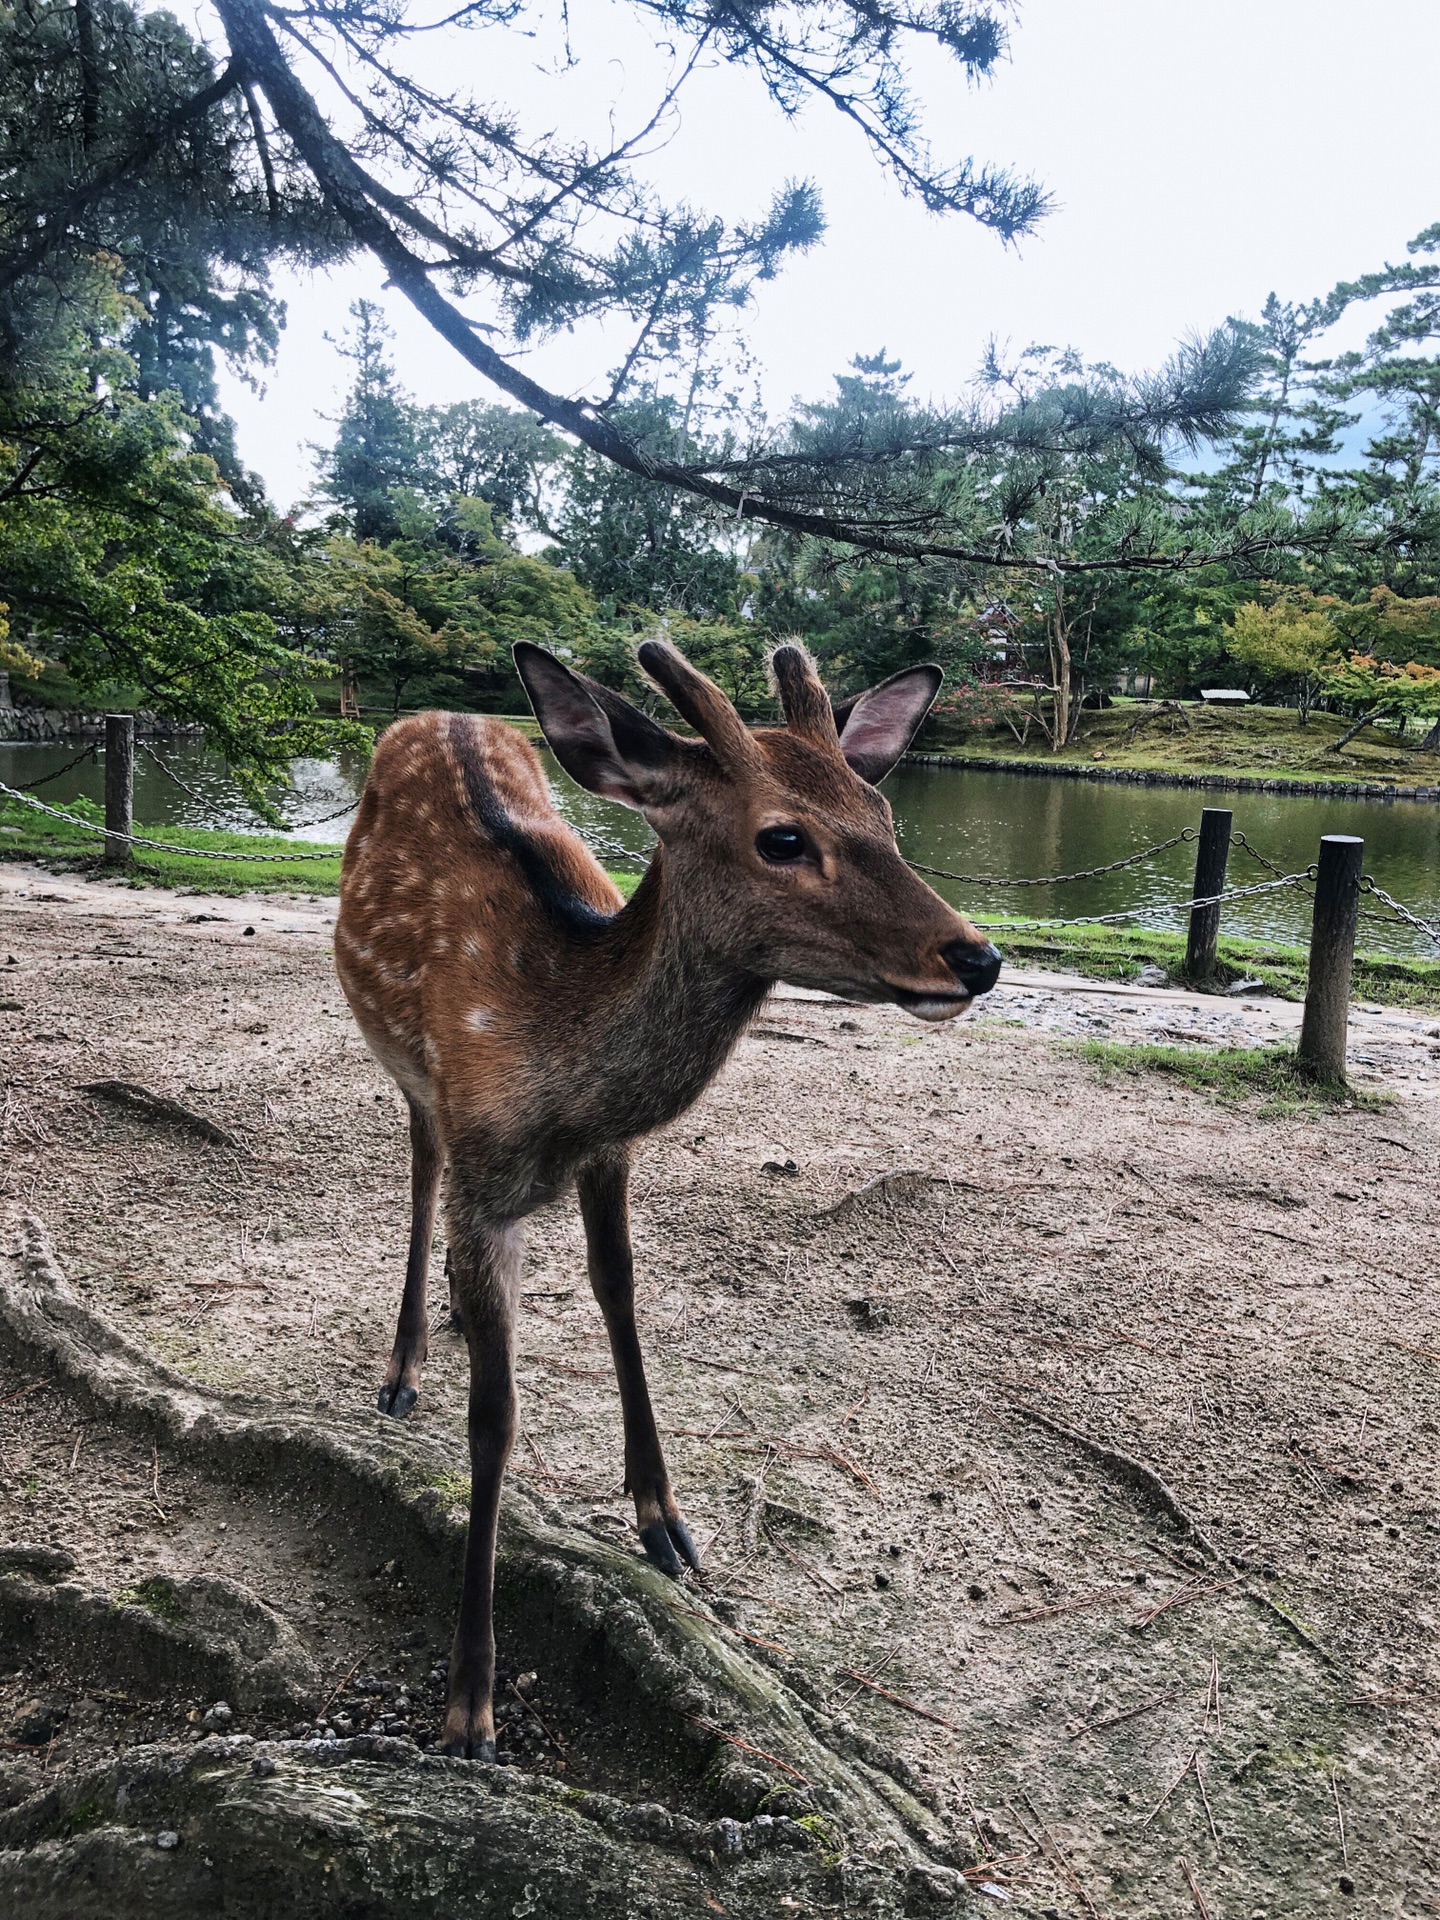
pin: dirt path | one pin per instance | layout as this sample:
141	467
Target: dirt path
1246	1305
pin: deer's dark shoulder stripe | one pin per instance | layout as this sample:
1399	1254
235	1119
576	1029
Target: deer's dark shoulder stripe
563	906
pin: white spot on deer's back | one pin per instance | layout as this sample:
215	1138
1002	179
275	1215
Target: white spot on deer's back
481	1019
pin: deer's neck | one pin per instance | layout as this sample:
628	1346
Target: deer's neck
663	1013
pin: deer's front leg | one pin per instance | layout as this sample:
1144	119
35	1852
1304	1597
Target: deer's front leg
401	1386
604	1186
486	1272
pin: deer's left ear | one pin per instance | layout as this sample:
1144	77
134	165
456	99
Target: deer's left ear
876	727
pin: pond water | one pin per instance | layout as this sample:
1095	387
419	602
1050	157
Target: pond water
986	824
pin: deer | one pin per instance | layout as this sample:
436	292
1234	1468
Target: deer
538	1024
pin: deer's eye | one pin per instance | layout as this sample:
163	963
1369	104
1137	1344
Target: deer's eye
780	844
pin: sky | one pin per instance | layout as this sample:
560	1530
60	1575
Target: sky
1202	153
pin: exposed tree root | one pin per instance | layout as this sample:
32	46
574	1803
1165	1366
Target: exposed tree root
708	1726
1125	1467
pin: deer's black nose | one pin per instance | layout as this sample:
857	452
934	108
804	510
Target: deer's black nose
977	968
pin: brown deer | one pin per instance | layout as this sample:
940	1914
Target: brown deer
537	1024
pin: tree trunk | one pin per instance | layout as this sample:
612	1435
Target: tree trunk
1360	725
1060	672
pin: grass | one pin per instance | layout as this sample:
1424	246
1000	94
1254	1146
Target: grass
1233	1074
27	835
1118	953
1267	742
63	848
155	1596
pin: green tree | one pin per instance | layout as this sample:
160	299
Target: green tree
377	446
1286	647
638	543
436	613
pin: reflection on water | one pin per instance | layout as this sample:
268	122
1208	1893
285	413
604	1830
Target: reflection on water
973	823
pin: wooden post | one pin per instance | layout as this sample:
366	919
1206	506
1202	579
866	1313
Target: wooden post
1332	956
1212	854
119	786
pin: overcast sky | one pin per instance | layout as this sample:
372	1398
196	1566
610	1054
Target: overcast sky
1202	154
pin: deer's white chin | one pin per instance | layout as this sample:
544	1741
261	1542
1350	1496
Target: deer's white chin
932	1006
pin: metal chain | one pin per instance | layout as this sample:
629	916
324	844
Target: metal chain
202	800
169	772
69	767
602	845
1057	879
1402	916
161	846
322	819
1169	906
599	843
1238	839
1367	885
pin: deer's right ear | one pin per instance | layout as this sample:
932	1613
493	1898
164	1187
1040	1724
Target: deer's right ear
601	741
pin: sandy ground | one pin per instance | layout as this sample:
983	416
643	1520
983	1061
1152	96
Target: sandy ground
1246	1304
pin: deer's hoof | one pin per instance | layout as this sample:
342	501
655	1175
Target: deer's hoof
396	1400
469	1730
464	1748
668	1543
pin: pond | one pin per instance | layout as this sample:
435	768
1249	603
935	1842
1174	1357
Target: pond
975	823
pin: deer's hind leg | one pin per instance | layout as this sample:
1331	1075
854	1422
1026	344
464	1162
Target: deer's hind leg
401	1387
604	1187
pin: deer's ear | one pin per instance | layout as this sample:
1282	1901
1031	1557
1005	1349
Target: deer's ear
876	727
604	743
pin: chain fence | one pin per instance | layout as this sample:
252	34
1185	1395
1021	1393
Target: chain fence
161	846
69	767
208	802
1302	880
1057	879
1295	880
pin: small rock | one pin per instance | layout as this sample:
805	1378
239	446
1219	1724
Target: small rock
883	1581
39	1722
248	932
167	1841
1152	976
217	1718
527	1683
343	1727
1347	1885
868	1314
975	1591
1245	986
262	1766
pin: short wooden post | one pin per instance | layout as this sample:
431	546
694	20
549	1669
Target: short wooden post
119	787
1212	855
1332	956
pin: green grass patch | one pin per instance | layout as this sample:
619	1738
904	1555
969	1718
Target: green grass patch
1233	1074
67	848
1118	953
1267	742
1099	953
155	1596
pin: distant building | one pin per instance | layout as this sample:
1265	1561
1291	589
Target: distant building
1225	696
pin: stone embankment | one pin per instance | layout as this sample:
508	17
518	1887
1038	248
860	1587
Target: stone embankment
1156	777
65	723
